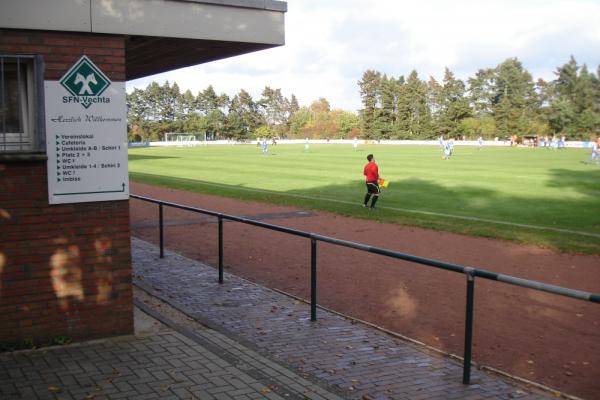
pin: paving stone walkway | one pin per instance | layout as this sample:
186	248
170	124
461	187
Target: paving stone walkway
255	344
357	360
203	364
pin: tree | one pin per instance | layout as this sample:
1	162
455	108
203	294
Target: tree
370	89
419	118
299	120
403	110
186	105
275	109
565	83
385	121
264	131
137	106
481	91
513	97
348	124
294	106
484	126
320	123
435	102
244	116
574	110
454	106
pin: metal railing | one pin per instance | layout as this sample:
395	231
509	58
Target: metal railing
469	272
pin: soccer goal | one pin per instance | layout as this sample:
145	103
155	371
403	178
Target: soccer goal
182	139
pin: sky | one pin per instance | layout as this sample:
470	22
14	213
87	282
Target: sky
331	43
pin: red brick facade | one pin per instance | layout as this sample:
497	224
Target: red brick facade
65	270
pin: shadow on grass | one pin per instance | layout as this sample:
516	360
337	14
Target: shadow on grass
465	209
584	182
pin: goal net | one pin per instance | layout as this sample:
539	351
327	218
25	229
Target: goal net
182	139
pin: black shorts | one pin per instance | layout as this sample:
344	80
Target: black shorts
373	188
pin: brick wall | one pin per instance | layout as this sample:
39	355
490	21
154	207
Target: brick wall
65	270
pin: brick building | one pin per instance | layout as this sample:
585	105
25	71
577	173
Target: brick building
65	263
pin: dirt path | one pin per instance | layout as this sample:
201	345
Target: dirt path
538	336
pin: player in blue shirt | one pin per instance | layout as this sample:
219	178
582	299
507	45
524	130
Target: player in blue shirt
447	150
594	156
264	146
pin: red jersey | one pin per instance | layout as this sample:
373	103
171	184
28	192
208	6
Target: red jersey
371	171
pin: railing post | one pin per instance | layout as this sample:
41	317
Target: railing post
469	325
161	230
220	249
313	279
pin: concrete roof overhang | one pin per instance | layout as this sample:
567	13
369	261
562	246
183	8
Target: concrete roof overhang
161	35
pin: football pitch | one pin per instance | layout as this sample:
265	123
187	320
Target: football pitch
539	196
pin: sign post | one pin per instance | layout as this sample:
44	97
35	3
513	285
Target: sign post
86	136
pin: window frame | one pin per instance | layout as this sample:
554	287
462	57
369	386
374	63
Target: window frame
33	117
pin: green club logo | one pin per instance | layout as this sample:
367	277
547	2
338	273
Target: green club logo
85	82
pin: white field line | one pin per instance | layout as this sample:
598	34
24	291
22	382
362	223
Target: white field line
406	210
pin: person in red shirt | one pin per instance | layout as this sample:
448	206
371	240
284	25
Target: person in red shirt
371	172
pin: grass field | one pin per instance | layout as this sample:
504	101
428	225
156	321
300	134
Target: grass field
529	195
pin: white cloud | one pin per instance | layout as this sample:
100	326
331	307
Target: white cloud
329	44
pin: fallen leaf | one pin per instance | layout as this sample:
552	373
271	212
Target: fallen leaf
173	375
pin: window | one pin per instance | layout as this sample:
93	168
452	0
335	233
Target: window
21	104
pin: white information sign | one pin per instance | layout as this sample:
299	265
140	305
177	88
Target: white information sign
86	136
